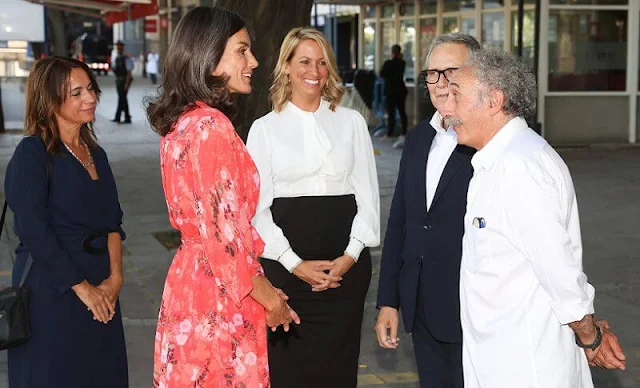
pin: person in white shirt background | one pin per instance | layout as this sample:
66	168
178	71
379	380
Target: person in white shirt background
526	306
152	66
318	214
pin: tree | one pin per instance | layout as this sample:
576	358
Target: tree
268	21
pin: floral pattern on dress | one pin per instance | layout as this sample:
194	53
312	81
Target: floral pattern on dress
210	332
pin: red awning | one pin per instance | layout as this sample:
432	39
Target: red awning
112	11
134	11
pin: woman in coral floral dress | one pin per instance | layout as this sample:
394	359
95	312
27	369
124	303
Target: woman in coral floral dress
216	303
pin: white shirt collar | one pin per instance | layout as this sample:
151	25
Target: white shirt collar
291	107
436	123
485	157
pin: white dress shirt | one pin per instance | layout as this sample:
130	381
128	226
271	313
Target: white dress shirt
442	146
521	278
300	153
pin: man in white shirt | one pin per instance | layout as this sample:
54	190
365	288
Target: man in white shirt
526	305
420	265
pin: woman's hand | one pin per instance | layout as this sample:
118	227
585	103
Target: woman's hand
316	272
340	266
96	300
112	286
292	314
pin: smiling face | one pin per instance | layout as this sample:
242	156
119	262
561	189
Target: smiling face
237	63
443	57
79	106
308	72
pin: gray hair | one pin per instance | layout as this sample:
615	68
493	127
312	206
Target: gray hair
499	70
455	38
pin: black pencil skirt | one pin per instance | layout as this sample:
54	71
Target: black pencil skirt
323	350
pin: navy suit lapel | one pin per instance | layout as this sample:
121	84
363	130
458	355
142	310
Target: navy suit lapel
423	157
459	156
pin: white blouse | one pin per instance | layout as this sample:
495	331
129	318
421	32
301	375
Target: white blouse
300	153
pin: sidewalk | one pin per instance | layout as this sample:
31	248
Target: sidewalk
607	184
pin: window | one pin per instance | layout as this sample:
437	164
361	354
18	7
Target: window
449	25
459	5
527	35
489	4
469	26
369	45
428	7
388	39
427	34
369	11
587	50
407	42
407	8
388	11
493	29
588	2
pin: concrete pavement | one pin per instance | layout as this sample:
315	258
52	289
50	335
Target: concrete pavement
607	183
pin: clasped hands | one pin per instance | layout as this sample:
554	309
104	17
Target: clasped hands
324	274
100	300
281	314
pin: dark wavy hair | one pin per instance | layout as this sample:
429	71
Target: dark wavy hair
47	88
193	54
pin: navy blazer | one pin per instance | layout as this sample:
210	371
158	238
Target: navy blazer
422	250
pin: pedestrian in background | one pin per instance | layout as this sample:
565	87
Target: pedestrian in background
318	214
395	92
122	66
62	191
152	66
216	303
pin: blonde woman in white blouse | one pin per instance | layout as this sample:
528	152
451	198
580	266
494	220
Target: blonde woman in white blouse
318	214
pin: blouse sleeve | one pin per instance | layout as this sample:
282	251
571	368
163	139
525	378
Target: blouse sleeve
365	229
27	191
115	208
277	246
226	234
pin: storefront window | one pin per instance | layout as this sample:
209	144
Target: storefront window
587	50
527	35
428	7
493	29
488	4
449	25
427	34
589	2
388	40
369	11
469	26
369	45
459	5
388	11
407	42
407	8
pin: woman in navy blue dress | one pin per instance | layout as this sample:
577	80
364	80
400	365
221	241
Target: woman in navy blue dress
62	191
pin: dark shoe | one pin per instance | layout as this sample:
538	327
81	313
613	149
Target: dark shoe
127	121
115	121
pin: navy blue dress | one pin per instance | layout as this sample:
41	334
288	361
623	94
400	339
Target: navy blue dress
55	209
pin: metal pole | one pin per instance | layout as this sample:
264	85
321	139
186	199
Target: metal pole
536	57
520	27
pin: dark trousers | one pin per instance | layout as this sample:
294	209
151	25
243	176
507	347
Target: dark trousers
154	78
123	104
393	103
439	363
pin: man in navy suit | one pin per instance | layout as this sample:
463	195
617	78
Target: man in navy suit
420	266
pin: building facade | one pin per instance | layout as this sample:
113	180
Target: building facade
587	57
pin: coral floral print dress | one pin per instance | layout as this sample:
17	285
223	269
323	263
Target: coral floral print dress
210	333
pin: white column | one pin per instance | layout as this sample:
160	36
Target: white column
633	37
543	61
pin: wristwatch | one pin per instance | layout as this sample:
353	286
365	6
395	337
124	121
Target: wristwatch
596	342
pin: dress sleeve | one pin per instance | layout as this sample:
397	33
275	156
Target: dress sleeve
365	229
116	210
277	246
27	190
225	228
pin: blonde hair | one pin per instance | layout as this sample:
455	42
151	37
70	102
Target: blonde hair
280	90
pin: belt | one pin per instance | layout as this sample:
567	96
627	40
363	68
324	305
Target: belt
87	243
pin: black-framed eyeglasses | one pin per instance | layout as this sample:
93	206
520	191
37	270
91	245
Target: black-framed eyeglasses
433	76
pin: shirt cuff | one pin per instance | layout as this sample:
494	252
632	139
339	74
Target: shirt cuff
289	259
354	248
574	311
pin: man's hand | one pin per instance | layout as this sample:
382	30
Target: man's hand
387	327
609	354
313	272
341	265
